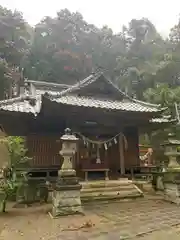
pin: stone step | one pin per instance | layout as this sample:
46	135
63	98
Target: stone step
101	184
110	195
107	189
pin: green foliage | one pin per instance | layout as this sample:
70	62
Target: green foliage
69	47
66	48
3	79
17	151
7	188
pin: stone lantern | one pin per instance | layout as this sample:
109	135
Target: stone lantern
66	195
171	175
69	148
172	152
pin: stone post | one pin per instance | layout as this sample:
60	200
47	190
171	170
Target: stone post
66	195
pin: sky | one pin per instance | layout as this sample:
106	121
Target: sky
114	13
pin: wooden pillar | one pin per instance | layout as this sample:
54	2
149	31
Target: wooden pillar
76	158
121	154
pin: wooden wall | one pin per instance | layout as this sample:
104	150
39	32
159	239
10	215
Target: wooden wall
109	157
44	151
132	153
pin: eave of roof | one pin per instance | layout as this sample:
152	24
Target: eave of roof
104	104
32	105
23	104
162	120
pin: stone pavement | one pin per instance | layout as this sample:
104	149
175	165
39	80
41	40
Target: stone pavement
136	219
131	220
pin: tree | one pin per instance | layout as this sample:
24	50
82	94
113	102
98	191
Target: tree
69	47
14	44
3	82
144	56
66	48
170	73
165	96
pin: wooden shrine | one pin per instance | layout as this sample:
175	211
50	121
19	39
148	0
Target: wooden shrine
105	120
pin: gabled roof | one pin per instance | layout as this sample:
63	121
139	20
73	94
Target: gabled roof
68	96
94	77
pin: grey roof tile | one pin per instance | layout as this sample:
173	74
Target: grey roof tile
106	104
162	120
93	78
42	92
25	104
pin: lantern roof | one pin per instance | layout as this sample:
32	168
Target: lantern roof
68	136
171	141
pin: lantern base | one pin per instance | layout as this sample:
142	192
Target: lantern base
66	197
66	172
172	193
171	182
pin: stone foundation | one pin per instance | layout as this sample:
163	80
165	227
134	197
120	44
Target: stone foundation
172	186
159	183
66	197
172	192
66	202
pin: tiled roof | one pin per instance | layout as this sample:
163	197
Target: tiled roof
68	97
29	104
163	120
93	78
104	104
25	104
